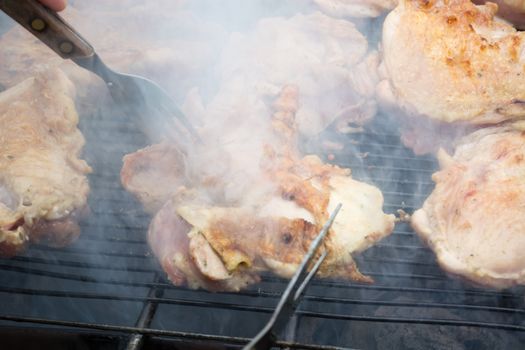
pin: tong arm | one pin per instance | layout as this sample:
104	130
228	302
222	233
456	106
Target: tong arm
293	292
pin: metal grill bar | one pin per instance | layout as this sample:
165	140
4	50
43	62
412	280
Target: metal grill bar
111	281
166	285
147	331
213	304
146	316
158	332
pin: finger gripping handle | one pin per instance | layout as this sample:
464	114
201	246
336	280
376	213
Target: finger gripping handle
47	26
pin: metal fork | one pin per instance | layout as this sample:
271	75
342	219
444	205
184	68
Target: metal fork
293	292
135	94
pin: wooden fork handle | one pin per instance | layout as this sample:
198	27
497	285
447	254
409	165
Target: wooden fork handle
49	27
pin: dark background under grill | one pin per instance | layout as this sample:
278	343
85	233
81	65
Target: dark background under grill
106	278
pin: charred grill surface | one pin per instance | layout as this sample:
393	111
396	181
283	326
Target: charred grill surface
94	292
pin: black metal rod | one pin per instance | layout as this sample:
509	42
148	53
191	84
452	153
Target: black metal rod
101	238
333	300
87	251
93	266
112	281
91	279
146	316
84	265
378	287
158	332
148	331
196	303
267	278
74	277
382	180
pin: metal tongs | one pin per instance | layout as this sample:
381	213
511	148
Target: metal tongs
293	292
137	95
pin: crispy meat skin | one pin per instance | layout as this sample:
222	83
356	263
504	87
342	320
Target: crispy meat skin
225	247
43	187
474	218
451	62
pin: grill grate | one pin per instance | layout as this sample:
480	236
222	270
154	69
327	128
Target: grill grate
108	282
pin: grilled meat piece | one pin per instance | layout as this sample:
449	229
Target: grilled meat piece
190	260
474	218
451	62
153	174
225	248
43	187
325	58
276	236
206	239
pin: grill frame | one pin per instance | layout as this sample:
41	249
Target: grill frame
405	269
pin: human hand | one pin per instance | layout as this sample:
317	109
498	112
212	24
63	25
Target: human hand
56	5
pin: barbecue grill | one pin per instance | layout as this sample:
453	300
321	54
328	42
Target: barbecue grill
107	291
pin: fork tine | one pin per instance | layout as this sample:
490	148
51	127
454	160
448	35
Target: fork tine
151	91
179	116
185	122
172	110
134	91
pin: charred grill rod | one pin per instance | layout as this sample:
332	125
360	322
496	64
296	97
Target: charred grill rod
292	295
150	307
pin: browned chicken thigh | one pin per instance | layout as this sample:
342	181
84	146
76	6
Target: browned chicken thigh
43	184
450	65
474	219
